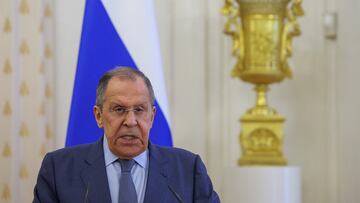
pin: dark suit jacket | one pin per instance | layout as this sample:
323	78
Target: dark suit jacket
78	174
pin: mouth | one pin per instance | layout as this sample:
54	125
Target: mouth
128	139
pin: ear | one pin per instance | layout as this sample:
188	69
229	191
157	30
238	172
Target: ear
98	116
153	112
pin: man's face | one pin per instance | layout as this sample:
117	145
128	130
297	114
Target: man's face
126	116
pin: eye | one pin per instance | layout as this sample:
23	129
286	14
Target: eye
138	109
119	109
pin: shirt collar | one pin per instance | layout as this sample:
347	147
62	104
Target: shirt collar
140	159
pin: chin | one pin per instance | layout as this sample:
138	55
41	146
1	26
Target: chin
130	153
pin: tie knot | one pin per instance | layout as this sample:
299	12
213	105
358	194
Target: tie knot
126	165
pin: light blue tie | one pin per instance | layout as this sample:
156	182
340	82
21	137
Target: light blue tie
127	192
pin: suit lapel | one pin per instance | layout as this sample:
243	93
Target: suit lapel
94	175
157	184
97	187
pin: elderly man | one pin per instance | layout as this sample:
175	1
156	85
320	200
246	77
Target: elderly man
123	166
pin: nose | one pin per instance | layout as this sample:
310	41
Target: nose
130	119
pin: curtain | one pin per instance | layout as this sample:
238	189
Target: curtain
26	94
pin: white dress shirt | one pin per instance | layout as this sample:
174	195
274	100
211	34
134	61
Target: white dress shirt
139	173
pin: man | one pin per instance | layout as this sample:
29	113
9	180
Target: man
123	166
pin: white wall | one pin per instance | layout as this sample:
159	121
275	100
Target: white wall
348	100
68	21
320	102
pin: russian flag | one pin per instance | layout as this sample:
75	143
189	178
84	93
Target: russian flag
116	33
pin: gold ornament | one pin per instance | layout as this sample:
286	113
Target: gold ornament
7	150
262	33
24	131
7	25
7	67
42	150
7	109
23	172
24	89
49	133
24	7
42	67
48	51
47	11
6	193
24	48
42	108
48	91
41	26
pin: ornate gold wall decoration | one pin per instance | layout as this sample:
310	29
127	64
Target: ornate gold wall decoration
24	89
24	131
48	91
47	11
25	71
43	150
42	67
41	26
24	7
262	32
42	108
7	67
7	25
49	133
48	52
7	109
24	48
6	193
23	173
7	150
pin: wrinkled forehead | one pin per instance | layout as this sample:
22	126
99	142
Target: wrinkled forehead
127	88
126	76
119	80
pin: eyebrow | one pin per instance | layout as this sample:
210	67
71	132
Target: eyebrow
111	104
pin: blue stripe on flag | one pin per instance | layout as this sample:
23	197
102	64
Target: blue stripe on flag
101	49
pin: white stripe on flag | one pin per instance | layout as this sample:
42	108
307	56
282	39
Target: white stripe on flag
134	21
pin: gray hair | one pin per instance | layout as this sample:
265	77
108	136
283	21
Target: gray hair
122	73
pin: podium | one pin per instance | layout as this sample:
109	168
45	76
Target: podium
262	184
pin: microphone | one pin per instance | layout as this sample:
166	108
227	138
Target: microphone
86	193
176	194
